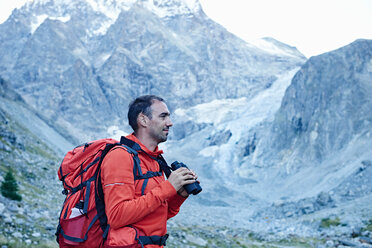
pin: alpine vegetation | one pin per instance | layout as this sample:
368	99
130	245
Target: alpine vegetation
9	187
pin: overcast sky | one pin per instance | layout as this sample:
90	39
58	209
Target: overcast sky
313	26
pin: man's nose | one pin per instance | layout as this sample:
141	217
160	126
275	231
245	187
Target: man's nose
169	123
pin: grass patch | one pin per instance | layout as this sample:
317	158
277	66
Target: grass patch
43	151
18	244
223	237
328	222
298	242
368	226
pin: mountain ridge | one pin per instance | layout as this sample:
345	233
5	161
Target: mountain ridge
161	56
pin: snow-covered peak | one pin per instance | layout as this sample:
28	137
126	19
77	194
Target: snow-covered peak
38	20
168	8
60	10
273	46
112	8
106	12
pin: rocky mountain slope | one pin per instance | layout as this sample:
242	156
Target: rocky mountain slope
323	124
32	150
81	64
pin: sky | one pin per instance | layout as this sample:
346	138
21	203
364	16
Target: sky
313	26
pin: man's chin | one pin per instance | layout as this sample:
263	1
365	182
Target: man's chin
162	138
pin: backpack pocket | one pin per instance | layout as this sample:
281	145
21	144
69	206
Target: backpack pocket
74	231
125	237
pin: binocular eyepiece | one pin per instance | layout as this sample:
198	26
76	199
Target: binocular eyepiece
193	188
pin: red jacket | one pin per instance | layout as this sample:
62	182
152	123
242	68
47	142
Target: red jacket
124	203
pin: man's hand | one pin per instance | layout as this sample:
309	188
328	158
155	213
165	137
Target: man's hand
181	177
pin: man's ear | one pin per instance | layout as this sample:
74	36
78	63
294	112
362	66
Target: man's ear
142	120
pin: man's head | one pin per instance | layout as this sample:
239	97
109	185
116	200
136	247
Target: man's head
150	114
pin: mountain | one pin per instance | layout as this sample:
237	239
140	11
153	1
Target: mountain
323	124
79	63
297	151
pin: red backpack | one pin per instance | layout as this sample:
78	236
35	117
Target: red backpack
83	221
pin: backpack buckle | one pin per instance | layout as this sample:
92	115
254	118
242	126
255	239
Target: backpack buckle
164	239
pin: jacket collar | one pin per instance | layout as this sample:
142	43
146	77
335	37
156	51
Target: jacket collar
155	153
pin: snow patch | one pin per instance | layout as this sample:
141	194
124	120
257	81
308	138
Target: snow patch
102	29
209	151
102	59
37	22
83	54
213	112
168	8
41	18
272	48
369	66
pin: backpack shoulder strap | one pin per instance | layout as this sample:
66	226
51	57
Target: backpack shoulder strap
160	159
131	147
99	197
130	143
163	165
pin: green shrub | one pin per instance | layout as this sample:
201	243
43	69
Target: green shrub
9	187
328	222
368	226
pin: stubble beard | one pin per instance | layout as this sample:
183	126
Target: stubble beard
160	137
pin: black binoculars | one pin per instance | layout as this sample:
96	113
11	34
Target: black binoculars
193	188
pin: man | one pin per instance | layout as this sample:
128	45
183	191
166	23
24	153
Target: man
142	207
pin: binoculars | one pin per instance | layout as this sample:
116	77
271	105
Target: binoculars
193	188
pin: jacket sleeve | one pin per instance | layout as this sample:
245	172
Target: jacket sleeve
174	205
122	207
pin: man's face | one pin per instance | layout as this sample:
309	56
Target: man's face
160	121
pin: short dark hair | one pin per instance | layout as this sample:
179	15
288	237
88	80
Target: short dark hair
139	105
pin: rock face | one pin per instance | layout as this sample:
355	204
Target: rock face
326	106
81	65
321	133
328	103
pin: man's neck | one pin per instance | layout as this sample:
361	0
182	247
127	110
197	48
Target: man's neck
147	141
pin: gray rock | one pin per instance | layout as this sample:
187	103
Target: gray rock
329	89
19	221
196	240
324	199
330	243
4	147
220	138
348	243
2	209
36	234
7	218
18	235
